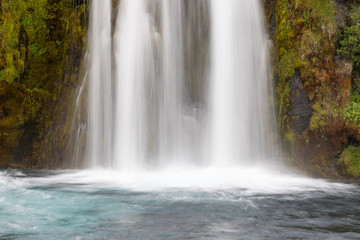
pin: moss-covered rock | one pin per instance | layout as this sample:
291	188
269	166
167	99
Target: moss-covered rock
41	45
307	40
349	162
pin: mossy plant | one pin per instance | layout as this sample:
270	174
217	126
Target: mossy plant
36	37
349	48
352	113
349	163
350	44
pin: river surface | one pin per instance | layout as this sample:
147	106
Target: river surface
211	203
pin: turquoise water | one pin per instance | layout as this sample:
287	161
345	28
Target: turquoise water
175	204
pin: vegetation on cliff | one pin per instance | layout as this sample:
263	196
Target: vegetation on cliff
320	40
349	162
37	39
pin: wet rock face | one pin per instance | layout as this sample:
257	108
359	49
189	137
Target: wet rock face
196	30
300	107
270	15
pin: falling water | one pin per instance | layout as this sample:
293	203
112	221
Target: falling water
239	92
155	109
171	128
99	141
135	71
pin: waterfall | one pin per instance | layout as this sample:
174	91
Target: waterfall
175	85
100	97
239	92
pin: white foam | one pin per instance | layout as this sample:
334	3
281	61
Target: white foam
255	180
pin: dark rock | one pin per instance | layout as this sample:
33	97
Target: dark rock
196	39
300	107
270	15
341	11
4	112
30	135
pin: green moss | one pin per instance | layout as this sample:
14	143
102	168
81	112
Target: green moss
349	48
317	120
349	162
30	36
350	43
36	37
352	113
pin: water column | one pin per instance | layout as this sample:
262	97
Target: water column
239	91
135	80
171	129
100	122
